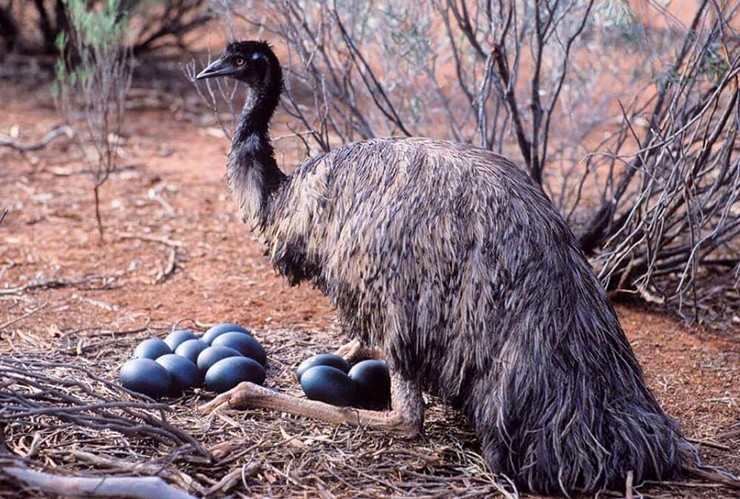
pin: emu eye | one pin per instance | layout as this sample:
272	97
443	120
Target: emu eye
239	61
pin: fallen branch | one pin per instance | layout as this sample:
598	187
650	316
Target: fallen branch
715	477
74	396
97	330
2	217
727	434
233	477
147	468
79	486
55	133
709	443
56	283
22	317
169	269
151	239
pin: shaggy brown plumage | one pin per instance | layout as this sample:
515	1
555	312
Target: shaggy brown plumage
450	260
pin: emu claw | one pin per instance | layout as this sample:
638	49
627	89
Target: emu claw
354	352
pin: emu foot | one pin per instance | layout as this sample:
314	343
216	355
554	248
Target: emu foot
355	352
249	395
242	396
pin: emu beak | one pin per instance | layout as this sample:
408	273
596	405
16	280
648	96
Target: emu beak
219	67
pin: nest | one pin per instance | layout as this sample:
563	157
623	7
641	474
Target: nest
67	416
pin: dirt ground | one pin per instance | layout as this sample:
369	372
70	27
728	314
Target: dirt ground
63	291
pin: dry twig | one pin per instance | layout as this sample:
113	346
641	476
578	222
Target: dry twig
715	477
181	479
56	132
106	282
151	239
80	486
168	269
22	317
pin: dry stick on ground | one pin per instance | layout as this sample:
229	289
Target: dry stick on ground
171	265
79	486
235	476
96	330
709	443
731	433
715	477
175	476
22	317
169	269
61	130
59	283
151	239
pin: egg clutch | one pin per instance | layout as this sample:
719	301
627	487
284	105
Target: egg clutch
330	378
228	354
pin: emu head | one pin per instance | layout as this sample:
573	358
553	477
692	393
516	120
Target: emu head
252	62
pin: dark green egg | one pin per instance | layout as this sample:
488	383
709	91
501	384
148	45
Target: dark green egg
329	384
146	376
246	344
191	349
211	355
177	338
373	382
322	359
151	349
229	372
219	329
184	373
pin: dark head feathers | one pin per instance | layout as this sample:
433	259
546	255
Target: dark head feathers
249	46
250	61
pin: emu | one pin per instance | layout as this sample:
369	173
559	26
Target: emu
453	263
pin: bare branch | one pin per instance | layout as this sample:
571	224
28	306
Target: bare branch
55	133
79	486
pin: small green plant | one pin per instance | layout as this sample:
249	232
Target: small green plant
92	80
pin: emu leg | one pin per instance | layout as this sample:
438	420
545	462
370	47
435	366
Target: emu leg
406	419
354	351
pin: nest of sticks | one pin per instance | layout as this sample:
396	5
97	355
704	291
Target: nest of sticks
69	428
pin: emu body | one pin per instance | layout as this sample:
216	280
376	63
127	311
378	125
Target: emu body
454	264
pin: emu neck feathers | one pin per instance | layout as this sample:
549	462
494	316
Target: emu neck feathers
256	115
252	172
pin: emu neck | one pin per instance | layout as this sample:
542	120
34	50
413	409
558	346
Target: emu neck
253	174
